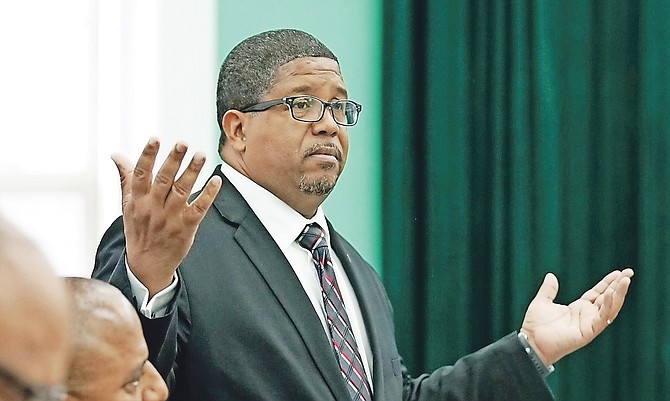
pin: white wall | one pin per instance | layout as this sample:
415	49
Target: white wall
81	79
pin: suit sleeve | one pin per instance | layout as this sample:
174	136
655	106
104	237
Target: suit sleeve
501	371
163	335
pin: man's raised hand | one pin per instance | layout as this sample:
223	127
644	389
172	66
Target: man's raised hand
159	222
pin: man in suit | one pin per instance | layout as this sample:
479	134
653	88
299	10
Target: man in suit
34	322
267	301
109	356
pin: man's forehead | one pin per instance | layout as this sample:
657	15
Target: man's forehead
294	76
121	347
309	89
308	66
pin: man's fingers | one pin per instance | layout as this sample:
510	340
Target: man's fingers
618	296
125	168
201	204
605	312
165	176
600	288
611	287
141	182
548	289
181	189
136	181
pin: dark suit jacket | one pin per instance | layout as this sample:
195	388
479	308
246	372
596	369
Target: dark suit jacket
242	327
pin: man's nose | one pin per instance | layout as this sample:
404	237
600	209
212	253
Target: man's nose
155	388
327	124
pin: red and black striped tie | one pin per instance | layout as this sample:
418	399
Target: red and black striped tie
313	239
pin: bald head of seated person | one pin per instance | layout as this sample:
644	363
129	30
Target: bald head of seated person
109	354
33	322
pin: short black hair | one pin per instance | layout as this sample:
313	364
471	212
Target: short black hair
249	69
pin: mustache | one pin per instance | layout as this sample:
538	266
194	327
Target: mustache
324	148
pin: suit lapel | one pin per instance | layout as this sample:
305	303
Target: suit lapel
271	263
368	301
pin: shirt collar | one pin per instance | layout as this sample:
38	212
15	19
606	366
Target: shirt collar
282	221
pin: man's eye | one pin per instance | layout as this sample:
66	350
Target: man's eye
131	387
302	104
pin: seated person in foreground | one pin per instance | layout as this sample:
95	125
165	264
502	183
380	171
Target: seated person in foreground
109	355
33	322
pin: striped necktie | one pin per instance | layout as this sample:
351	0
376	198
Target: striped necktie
313	239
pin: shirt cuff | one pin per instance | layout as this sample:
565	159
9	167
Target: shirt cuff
159	305
542	369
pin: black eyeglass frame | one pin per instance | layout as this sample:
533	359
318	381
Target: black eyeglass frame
32	392
288	101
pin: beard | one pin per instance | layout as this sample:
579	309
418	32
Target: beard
323	185
319	187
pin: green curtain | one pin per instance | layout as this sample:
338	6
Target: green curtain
519	138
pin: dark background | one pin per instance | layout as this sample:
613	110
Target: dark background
519	138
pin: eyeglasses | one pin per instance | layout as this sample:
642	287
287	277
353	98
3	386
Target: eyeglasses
310	109
13	388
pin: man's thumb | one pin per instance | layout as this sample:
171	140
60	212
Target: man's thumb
549	288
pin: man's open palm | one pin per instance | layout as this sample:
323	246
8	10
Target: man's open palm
556	330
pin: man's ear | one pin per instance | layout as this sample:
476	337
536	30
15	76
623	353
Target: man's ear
233	126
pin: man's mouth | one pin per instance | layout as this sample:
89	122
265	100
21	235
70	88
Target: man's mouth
325	151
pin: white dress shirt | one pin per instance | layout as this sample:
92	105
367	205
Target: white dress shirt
284	225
